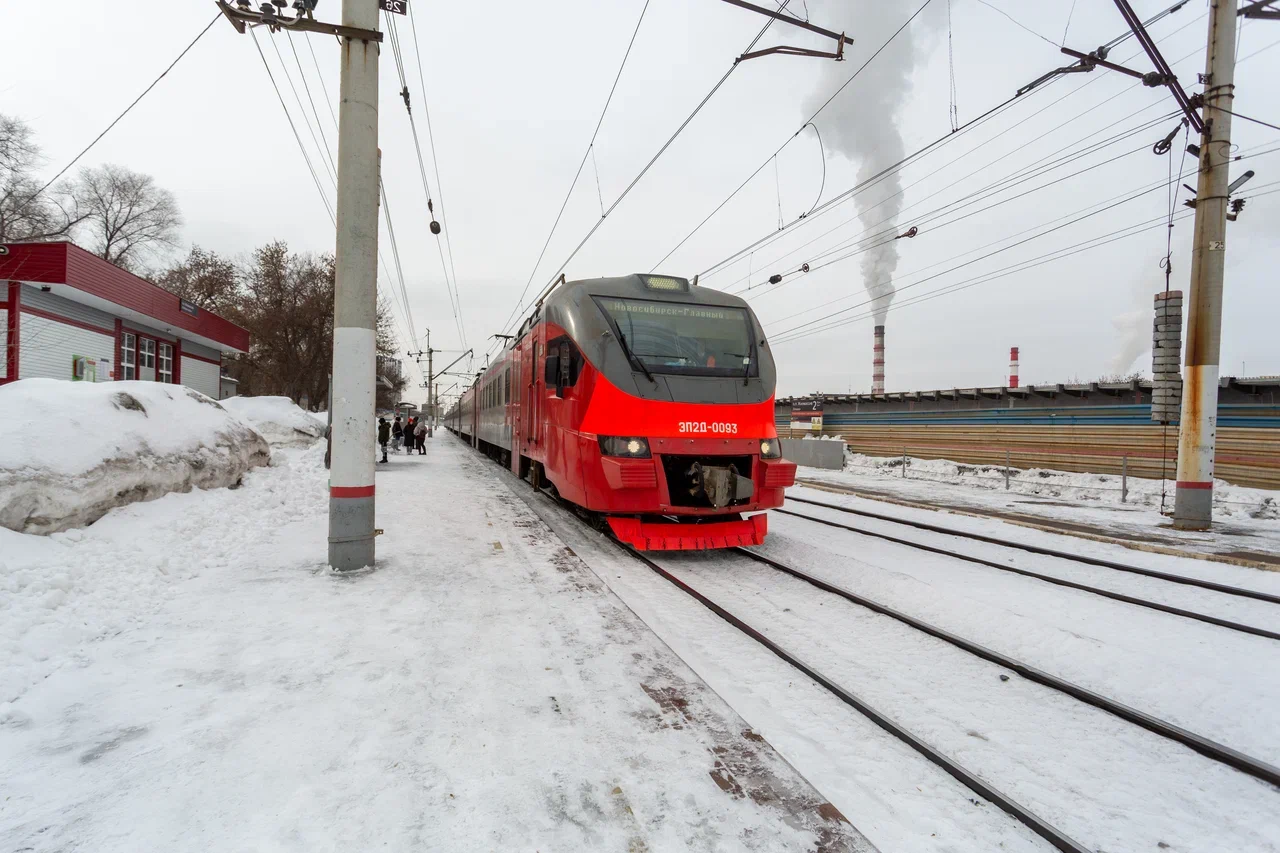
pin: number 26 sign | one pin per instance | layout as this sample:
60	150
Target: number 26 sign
398	7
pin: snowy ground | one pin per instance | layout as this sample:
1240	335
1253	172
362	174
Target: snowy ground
185	675
1108	784
1247	521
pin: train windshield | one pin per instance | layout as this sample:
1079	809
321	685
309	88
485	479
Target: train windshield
684	338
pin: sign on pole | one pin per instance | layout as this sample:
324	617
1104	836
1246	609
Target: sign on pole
396	7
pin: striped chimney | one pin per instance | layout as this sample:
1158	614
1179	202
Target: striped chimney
1013	367
877	362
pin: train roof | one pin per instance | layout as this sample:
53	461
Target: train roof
665	288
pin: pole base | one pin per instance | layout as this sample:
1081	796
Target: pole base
351	534
1193	507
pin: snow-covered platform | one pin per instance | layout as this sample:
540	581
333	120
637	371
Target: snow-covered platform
196	680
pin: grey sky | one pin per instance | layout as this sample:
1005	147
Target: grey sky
515	88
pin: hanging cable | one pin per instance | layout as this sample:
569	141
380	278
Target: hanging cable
777	185
953	111
298	138
435	166
644	171
920	153
1070	13
116	120
600	121
822	154
333	173
809	121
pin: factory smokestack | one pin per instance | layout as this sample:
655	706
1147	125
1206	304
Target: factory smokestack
1013	367
877	362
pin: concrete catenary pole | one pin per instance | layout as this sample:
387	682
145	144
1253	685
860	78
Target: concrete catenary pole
1193	506
431	380
355	304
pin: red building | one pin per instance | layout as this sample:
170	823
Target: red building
68	314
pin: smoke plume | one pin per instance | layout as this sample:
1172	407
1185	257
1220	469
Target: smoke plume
862	123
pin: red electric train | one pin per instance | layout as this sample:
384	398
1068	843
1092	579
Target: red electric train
644	400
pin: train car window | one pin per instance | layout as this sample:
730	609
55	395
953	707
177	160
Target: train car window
506	386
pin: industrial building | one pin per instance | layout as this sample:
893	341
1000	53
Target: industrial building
68	314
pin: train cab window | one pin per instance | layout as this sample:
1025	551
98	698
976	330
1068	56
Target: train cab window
563	365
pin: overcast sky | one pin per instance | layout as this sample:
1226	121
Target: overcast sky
515	88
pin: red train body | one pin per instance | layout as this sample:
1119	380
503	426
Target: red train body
644	399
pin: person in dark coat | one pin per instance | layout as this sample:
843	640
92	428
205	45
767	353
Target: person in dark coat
397	434
408	435
384	435
420	437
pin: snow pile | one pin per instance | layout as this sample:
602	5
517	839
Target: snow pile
62	591
71	451
1228	499
280	421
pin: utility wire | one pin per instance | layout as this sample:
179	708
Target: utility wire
397	297
127	109
397	53
333	173
297	137
661	151
808	121
1247	118
1048	228
316	113
435	165
1018	23
1031	171
600	121
883	175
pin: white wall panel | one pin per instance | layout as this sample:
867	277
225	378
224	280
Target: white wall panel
202	376
47	348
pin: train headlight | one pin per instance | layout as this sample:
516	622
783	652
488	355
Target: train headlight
770	449
628	446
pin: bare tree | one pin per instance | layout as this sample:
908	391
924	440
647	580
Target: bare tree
207	279
26	213
127	216
285	300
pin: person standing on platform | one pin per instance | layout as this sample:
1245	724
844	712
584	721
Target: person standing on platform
384	435
397	434
420	437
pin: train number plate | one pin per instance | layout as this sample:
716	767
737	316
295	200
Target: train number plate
713	427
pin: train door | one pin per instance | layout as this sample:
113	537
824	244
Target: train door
534	392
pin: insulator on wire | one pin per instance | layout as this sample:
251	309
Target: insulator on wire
804	268
775	278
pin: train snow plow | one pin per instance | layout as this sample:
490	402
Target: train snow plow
673	536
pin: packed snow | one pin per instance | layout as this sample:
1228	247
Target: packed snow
280	421
186	675
71	451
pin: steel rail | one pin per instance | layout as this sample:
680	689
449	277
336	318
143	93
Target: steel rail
1039	826
1203	745
1049	552
1106	593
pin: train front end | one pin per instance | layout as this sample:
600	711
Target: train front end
678	443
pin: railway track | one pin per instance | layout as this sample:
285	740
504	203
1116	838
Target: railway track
1243	592
1048	578
1211	749
972	781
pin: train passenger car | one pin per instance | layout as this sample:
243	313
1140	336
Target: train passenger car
644	399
